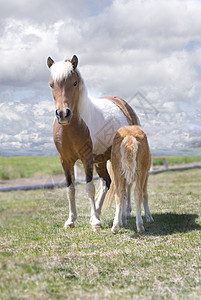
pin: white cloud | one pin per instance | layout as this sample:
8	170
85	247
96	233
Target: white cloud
124	47
28	130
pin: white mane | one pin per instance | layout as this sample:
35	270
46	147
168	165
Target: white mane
61	70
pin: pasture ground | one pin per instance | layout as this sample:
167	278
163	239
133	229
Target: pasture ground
41	260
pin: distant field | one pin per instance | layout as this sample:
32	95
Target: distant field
26	166
174	160
41	260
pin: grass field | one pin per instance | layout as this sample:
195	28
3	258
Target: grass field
41	260
26	166
174	160
13	167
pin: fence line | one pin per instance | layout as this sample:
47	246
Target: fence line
183	168
58	184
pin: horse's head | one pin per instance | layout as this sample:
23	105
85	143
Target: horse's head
65	80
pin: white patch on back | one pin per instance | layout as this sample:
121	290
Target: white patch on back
103	119
61	70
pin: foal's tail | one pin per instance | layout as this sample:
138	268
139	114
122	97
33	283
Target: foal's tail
128	148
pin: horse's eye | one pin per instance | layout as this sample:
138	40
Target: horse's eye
51	85
75	83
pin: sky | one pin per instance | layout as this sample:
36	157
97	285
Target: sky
147	52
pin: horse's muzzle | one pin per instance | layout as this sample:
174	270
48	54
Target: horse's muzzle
64	118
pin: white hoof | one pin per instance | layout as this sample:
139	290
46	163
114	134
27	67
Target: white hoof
115	229
149	218
140	228
95	223
96	227
69	224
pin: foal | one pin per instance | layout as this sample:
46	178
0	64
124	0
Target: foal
130	160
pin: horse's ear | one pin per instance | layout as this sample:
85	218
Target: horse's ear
74	61
50	62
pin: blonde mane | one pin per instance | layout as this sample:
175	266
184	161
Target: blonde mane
61	70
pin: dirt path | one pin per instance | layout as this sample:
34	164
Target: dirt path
31	180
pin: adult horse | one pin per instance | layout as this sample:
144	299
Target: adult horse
84	129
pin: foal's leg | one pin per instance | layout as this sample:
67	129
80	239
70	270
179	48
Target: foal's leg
148	215
126	206
123	221
129	206
69	173
138	194
90	189
119	199
101	169
117	218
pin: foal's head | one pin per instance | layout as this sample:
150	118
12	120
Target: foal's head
65	81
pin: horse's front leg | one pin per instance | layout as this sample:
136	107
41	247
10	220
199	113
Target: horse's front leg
90	189
69	174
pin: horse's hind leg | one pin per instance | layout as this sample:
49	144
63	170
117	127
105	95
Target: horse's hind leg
90	189
101	169
148	215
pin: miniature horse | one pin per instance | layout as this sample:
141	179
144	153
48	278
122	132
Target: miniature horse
130	161
84	129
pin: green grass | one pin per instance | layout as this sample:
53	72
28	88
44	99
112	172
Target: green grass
174	160
27	166
41	260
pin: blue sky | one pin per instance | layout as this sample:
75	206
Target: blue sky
125	47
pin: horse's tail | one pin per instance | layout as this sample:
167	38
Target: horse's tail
111	192
129	148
